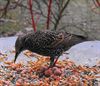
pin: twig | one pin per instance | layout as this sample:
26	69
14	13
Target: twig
60	14
24	6
49	11
32	16
6	8
41	12
98	3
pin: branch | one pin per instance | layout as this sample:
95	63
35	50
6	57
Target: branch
40	9
97	3
60	14
32	16
24	6
5	8
44	1
49	11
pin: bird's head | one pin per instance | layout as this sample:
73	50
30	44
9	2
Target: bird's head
19	46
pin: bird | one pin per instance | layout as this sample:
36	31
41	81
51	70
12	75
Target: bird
47	43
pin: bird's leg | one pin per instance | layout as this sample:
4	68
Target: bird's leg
56	59
51	61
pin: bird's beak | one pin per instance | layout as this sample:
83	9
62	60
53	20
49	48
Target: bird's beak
16	55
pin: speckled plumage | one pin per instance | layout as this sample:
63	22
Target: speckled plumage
47	43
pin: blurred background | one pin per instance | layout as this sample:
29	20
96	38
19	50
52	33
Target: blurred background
75	16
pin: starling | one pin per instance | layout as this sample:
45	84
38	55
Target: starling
47	43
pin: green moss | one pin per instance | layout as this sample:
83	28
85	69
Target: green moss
9	27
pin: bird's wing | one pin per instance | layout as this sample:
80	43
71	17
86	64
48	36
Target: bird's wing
58	39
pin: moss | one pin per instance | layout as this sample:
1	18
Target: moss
10	27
